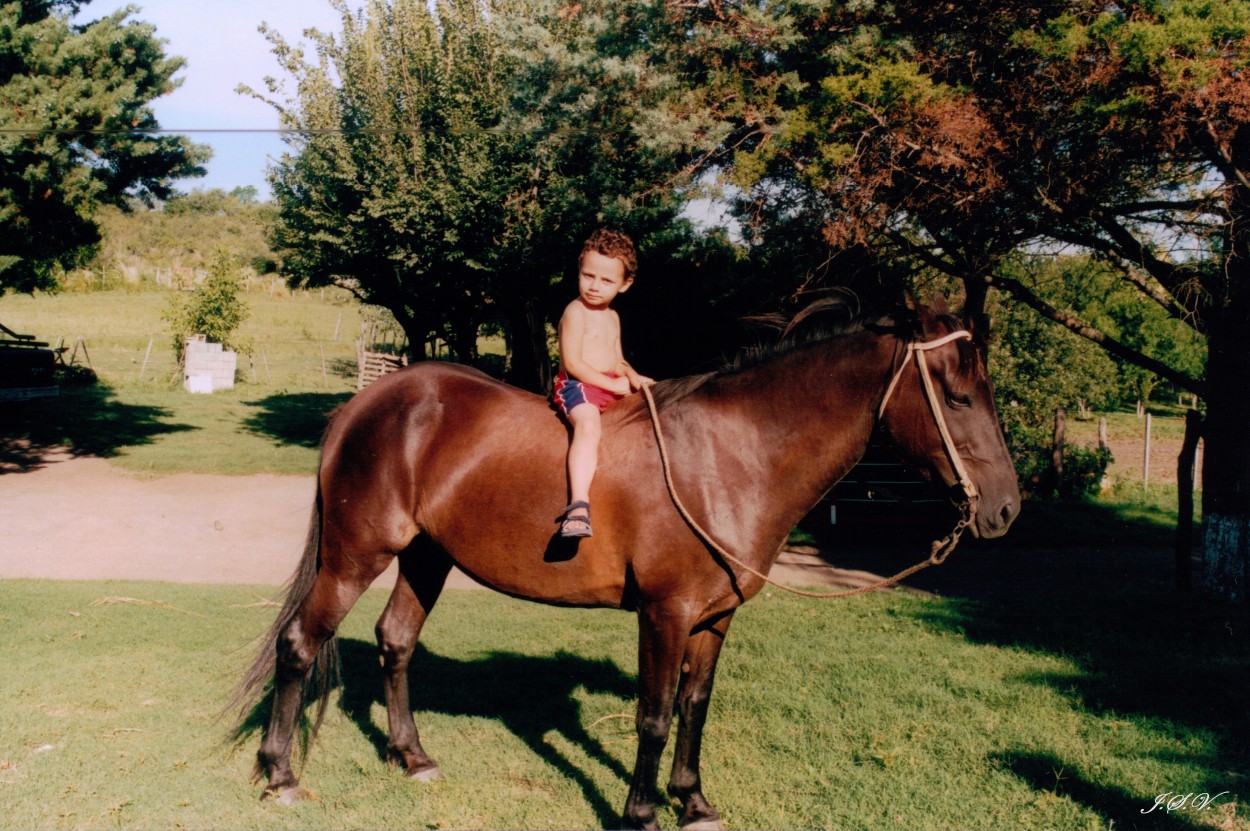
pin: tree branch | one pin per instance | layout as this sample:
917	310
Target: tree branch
1203	205
1172	304
1070	322
924	254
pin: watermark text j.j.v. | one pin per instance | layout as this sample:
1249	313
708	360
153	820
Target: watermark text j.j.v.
1170	802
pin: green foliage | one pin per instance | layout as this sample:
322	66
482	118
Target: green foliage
1095	293
183	236
70	94
1038	368
1084	469
215	309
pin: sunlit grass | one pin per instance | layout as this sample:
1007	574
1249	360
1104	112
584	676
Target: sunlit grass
887	711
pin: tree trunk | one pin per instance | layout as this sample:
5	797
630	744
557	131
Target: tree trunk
976	292
530	367
1226	469
463	335
1185	499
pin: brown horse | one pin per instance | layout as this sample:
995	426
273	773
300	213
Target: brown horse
440	465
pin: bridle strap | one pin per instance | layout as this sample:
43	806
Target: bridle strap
918	350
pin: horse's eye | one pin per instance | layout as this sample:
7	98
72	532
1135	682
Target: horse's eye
958	399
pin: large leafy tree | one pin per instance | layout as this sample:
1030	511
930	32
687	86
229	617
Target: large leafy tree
955	136
448	160
76	132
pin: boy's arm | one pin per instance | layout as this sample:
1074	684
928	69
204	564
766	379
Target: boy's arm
623	368
572	336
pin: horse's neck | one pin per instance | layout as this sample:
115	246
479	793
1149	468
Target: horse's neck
815	406
769	441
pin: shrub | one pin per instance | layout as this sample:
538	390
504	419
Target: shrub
214	309
1083	470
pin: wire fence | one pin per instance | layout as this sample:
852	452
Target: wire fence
151	360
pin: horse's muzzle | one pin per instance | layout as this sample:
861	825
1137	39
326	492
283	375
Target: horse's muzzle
993	521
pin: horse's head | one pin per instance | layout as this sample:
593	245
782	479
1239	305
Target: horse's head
940	385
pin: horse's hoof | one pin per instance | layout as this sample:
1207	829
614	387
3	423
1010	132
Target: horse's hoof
427	774
710	824
286	796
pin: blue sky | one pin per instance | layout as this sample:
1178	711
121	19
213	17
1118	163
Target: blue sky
220	41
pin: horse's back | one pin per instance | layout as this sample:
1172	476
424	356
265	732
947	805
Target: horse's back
478	467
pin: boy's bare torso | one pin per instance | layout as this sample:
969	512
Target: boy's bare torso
600	336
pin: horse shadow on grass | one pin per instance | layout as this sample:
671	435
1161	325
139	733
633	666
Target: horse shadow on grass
530	695
1049	774
84	420
294	418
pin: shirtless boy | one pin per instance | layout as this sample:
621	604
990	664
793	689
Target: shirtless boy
593	371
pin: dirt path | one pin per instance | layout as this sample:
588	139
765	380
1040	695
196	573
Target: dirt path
84	519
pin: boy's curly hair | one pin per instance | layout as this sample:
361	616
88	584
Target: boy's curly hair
616	244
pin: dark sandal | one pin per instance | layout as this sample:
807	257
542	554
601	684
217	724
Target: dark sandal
583	519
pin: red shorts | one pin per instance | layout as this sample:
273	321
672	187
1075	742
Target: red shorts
571	392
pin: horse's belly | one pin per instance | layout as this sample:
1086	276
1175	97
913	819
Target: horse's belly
563	572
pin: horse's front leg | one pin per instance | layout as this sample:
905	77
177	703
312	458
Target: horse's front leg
662	635
422	574
694	695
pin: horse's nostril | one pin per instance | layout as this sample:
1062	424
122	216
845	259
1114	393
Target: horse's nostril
1008	512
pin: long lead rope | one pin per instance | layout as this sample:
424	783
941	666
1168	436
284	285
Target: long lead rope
939	550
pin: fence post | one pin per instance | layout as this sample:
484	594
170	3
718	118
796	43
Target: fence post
143	368
1103	443
1186	464
1056	451
1145	466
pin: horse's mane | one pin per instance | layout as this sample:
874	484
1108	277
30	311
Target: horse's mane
832	314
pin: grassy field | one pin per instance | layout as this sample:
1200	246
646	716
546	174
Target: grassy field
302	363
298	363
885	712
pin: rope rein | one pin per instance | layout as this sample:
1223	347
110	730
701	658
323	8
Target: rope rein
939	550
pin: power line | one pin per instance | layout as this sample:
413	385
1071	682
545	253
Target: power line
128	131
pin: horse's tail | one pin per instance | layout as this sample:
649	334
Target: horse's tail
323	676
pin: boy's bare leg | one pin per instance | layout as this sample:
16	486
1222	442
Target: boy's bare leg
583	454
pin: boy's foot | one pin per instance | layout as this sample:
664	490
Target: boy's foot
576	525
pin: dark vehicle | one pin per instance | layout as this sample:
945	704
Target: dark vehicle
27	367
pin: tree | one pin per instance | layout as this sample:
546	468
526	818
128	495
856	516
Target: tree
448	161
1165	84
76	132
958	136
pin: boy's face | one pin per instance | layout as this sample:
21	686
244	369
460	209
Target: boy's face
600	279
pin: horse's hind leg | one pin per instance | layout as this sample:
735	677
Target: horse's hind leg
298	645
693	697
423	570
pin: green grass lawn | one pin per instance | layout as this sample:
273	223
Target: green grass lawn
140	417
889	711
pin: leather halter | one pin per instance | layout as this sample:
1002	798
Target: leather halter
918	349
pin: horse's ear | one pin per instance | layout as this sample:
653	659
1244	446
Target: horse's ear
909	301
937	304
